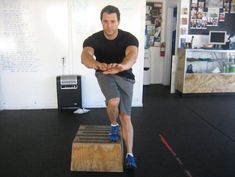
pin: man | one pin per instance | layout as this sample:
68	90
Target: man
115	51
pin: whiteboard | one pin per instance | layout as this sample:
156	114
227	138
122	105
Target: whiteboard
34	37
85	22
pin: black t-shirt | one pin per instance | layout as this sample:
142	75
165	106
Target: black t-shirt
112	51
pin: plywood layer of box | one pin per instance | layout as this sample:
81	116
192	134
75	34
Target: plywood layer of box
93	151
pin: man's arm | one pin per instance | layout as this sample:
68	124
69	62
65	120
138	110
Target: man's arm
129	60
89	61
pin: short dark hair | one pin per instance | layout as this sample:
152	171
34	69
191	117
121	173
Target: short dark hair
110	9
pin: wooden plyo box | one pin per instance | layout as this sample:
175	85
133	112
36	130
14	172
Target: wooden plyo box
93	151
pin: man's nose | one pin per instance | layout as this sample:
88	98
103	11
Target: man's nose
109	24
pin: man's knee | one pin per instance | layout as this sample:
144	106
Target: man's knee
114	102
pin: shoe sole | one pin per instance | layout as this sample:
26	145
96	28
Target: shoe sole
130	167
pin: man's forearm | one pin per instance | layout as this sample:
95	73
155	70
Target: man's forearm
130	58
88	60
128	62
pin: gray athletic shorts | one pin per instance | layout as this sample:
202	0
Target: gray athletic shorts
114	86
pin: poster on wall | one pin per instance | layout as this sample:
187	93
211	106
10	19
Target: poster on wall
193	24
214	3
232	6
198	18
183	30
226	6
213	16
221	17
153	23
207	15
184	21
184	11
194	3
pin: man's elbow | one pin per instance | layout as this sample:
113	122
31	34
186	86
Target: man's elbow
133	61
135	58
83	59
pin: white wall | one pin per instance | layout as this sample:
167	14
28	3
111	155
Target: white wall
156	69
85	22
35	35
1	107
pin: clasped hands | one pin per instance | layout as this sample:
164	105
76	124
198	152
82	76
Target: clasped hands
111	68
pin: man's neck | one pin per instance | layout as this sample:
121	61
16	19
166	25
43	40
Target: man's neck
109	37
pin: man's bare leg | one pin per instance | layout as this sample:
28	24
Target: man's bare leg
112	110
127	131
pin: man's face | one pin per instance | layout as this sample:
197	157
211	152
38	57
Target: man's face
110	24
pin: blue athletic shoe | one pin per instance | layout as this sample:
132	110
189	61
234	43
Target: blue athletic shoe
130	162
114	133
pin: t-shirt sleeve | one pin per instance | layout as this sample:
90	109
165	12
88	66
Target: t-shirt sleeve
89	42
132	40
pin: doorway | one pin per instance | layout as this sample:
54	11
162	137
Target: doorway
171	44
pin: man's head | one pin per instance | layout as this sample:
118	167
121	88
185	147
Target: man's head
109	10
110	17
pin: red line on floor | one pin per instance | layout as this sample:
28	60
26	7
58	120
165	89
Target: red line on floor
167	145
169	148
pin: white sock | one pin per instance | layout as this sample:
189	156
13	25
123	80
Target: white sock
129	154
114	125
